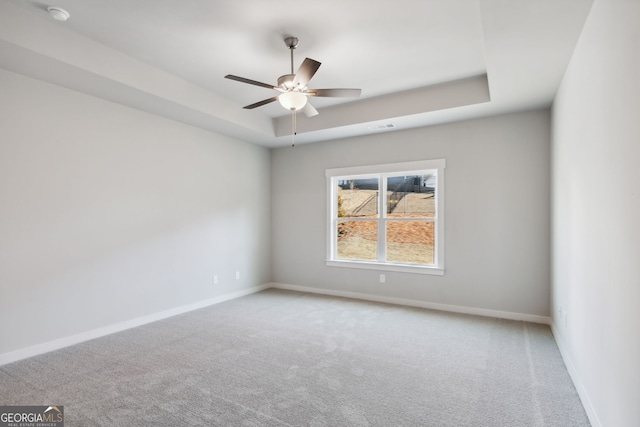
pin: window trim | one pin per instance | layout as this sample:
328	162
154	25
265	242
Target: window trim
408	168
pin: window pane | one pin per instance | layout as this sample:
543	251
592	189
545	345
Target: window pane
410	242
358	198
358	240
411	196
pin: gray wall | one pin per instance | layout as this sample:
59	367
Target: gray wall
596	214
497	217
109	214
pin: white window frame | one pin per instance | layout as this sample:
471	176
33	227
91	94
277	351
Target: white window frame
382	171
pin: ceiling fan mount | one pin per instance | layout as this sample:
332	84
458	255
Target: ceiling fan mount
291	42
293	89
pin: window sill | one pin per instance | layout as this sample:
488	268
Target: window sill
403	268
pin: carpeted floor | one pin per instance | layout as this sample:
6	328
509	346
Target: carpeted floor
280	358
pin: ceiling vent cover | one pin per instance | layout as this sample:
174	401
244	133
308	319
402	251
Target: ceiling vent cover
383	127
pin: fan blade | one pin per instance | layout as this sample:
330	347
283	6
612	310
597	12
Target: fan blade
261	103
305	72
309	111
251	82
335	93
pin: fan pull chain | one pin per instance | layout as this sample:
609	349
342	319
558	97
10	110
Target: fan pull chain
293	127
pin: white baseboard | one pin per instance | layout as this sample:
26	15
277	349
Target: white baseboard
577	382
46	347
422	304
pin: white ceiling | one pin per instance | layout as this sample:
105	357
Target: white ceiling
418	62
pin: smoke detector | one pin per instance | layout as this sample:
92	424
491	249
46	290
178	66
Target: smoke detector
58	14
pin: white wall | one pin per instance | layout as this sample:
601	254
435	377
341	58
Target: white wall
596	214
497	217
109	214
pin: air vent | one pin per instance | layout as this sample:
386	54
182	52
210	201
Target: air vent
383	127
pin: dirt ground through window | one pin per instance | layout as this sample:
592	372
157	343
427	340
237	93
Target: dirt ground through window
364	204
398	232
407	241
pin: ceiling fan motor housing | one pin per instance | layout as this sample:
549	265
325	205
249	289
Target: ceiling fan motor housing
286	82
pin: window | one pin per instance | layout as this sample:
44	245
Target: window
387	217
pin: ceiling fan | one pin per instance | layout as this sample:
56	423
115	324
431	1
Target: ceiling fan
293	87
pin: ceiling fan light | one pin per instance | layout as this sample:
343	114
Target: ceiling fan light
292	100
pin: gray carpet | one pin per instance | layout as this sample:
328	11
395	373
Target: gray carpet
282	358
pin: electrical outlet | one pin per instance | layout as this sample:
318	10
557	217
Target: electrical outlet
562	316
215	280
382	278
237	275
